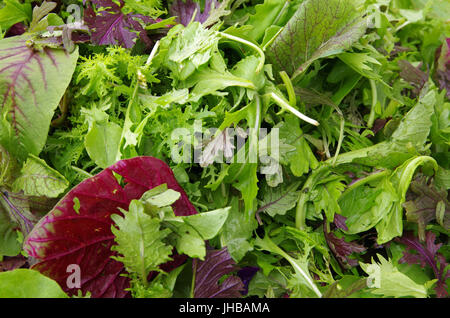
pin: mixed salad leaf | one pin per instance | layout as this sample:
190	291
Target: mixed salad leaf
235	148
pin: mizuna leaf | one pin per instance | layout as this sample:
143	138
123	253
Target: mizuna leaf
83	237
217	264
318	29
38	179
32	83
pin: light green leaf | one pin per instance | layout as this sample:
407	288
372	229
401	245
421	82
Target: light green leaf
102	143
9	246
300	265
38	179
385	279
14	12
140	240
237	231
27	283
208	224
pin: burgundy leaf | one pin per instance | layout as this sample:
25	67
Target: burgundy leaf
339	221
342	249
11	263
184	10
246	274
412	75
83	236
109	25
16	29
426	255
217	264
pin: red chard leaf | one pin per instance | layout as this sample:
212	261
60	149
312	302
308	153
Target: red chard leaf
78	229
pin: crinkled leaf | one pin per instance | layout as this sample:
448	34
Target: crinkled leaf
32	83
27	283
318	29
38	179
140	240
65	236
217	264
385	279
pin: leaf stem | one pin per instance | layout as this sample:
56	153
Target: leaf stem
248	43
194	272
283	104
374	103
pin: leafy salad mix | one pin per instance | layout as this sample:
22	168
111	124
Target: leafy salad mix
235	148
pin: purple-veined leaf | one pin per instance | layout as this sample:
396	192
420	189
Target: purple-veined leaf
184	10
426	255
343	249
32	81
109	25
318	29
78	229
217	264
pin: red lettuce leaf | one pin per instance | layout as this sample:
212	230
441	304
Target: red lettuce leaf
109	25
217	264
426	255
82	236
184	10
